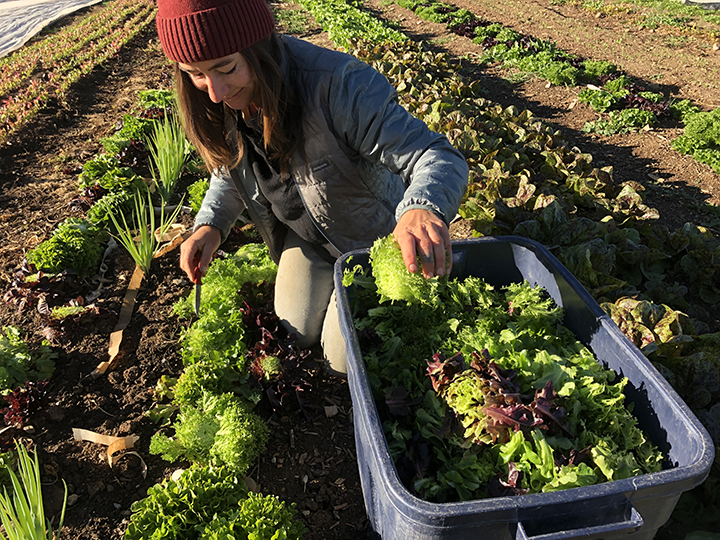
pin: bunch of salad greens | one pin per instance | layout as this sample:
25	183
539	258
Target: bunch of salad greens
214	346
393	280
108	172
156	98
483	392
216	428
237	345
115	203
701	138
196	193
343	22
206	503
23	402
133	129
18	364
220	430
75	244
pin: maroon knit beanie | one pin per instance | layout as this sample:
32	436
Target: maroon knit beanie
198	30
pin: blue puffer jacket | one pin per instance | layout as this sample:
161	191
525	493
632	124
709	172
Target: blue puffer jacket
366	159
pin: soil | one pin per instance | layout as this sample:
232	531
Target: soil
309	462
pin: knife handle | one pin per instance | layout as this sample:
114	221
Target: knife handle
196	273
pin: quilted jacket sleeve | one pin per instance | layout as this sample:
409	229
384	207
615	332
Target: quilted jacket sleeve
222	205
366	113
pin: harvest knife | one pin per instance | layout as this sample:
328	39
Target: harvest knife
198	290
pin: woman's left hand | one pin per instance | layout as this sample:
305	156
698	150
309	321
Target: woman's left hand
423	233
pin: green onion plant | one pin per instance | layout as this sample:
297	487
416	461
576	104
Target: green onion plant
23	515
139	240
169	150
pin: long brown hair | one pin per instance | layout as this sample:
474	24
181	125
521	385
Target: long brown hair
204	121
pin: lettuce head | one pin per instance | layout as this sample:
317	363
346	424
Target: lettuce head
393	280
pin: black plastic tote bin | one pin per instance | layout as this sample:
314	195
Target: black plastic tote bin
632	508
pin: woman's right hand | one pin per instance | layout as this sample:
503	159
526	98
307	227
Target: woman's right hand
197	251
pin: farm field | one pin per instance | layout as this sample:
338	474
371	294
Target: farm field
311	461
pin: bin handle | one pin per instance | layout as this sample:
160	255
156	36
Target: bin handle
635	521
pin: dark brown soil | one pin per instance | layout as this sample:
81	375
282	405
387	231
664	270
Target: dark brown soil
311	463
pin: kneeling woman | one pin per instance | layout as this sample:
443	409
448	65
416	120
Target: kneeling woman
313	144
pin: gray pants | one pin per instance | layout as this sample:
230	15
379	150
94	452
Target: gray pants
305	301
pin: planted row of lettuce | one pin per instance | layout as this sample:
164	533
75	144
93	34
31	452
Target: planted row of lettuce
111	192
654	14
625	105
43	71
207	417
69	264
660	286
234	354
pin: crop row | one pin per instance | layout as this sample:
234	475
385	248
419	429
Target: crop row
42	72
676	15
206	415
208	412
44	53
658	285
623	104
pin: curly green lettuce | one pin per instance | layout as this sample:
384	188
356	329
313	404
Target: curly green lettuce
76	245
115	202
260	518
18	364
207	503
197	192
219	431
225	277
107	171
393	280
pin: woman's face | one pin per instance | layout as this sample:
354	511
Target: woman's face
228	79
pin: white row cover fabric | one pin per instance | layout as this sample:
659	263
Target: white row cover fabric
20	20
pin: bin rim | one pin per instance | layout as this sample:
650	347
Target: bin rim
685	477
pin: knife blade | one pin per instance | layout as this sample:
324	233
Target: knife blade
198	290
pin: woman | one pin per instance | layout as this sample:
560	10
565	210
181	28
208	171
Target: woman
314	146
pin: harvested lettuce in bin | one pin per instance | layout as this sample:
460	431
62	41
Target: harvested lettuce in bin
515	382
